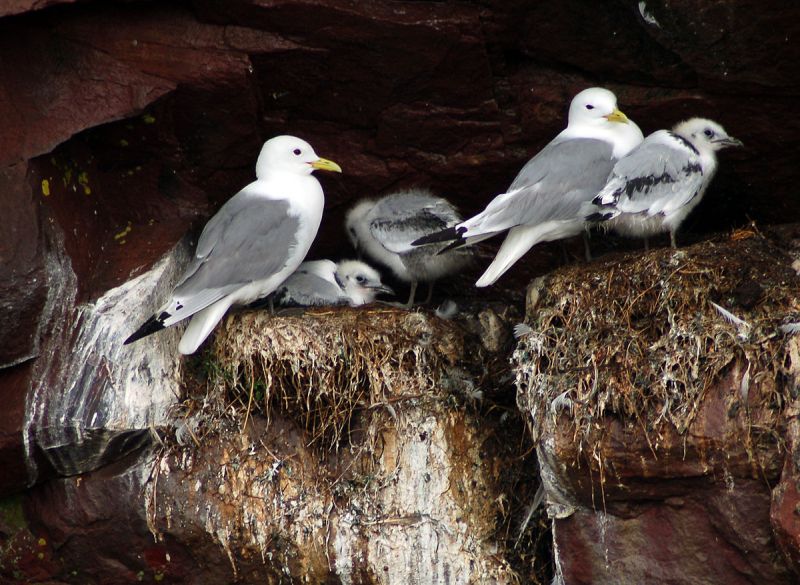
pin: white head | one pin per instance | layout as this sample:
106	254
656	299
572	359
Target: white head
593	113
595	106
290	154
354	219
361	282
705	135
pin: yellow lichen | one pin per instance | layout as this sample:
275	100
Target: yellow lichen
83	181
120	236
45	187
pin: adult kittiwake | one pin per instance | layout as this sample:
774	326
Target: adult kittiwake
654	187
252	244
544	201
384	229
324	283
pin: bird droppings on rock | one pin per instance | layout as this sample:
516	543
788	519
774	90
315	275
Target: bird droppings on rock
340	442
465	93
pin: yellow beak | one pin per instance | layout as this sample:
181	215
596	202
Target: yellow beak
324	164
617	116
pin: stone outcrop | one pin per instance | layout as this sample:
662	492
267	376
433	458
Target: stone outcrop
666	448
126	124
370	463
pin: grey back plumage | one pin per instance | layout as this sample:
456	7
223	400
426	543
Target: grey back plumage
398	219
312	284
385	229
555	162
548	186
655	187
226	259
657	176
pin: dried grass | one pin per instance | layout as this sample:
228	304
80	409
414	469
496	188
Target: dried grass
324	366
643	339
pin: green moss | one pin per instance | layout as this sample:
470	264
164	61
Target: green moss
11	513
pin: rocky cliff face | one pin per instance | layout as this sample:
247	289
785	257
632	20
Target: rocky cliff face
125	125
662	411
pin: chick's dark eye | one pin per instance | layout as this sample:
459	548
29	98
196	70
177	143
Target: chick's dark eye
297	152
589	107
360	279
708	132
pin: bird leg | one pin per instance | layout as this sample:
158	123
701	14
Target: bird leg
672	240
428	299
586	249
564	253
410	302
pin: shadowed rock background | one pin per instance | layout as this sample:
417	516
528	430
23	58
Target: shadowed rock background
125	125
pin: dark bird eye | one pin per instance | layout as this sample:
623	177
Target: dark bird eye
589	107
708	132
297	152
360	279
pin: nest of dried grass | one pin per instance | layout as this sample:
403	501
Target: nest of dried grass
644	337
324	366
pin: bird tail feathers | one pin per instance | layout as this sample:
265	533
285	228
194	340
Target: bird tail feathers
468	241
519	240
201	325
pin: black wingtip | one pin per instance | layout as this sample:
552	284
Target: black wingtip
152	325
446	235
597	217
452	246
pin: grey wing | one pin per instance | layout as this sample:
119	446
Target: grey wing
250	238
654	178
551	186
306	289
397	221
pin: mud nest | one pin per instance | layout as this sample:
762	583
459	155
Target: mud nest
645	336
